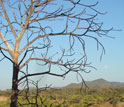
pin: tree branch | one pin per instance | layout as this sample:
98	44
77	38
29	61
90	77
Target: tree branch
31	8
7	18
4	49
7	44
42	73
6	55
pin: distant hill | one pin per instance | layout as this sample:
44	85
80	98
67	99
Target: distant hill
99	83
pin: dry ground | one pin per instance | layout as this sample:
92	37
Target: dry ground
3	98
120	104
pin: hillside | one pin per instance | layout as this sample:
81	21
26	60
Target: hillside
99	83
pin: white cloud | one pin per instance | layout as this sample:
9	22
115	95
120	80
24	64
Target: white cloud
106	66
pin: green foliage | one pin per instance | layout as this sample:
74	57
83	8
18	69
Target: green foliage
70	97
76	99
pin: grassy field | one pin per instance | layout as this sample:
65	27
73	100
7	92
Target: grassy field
106	97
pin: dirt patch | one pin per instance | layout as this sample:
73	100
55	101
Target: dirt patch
121	104
107	104
3	98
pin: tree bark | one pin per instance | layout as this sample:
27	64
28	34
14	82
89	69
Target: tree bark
14	94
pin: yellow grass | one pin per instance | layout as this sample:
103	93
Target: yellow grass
3	98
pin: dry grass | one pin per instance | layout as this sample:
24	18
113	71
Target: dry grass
3	98
107	104
121	104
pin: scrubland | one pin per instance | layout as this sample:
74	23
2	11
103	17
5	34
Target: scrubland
67	97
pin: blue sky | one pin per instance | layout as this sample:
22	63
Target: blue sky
110	68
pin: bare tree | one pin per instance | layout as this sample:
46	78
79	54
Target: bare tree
28	29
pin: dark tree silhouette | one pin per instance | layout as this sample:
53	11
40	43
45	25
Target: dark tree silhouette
32	25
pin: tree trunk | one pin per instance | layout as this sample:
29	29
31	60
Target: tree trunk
14	94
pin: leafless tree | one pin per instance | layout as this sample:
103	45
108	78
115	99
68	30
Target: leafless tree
28	29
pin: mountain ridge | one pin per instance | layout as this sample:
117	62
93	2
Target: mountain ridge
98	83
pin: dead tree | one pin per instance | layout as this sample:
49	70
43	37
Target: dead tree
32	25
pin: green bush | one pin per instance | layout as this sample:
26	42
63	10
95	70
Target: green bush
76	98
89	100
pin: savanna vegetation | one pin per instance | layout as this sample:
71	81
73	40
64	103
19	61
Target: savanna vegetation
71	97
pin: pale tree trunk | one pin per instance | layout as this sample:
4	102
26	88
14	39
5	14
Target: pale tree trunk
14	94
